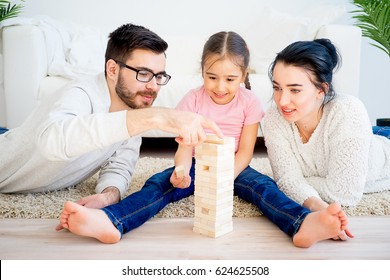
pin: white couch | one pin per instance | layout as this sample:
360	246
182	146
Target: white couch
41	55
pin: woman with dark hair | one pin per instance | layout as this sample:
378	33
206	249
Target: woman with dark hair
320	144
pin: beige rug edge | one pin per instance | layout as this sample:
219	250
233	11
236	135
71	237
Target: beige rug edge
49	205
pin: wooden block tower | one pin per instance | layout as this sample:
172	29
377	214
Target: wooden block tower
214	178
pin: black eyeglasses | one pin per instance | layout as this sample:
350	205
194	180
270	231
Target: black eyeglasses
146	76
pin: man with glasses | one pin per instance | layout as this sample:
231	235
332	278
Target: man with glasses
145	75
95	124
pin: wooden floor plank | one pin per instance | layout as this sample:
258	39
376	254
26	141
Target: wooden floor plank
252	239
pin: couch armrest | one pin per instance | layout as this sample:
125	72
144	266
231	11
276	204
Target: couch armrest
25	64
347	39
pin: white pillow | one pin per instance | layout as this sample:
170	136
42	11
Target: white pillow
86	51
272	31
184	54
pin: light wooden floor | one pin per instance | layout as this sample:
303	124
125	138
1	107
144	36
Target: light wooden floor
173	239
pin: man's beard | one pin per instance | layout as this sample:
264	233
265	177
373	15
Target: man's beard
129	98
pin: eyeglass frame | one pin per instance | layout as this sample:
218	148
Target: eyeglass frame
138	70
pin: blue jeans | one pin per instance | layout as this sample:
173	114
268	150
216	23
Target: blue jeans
382	130
250	185
3	130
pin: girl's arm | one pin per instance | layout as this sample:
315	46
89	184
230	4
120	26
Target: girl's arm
244	153
183	157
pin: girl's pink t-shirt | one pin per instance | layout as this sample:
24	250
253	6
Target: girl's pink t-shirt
244	109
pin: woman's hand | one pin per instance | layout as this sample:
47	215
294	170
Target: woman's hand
343	235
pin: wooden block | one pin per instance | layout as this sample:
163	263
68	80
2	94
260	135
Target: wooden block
215	183
209	194
216	211
214	228
222	232
216	197
214	139
201	203
179	171
212	203
227	174
214	234
216	146
213	149
213	214
215	165
204	219
229	141
212	159
207	189
204	232
214	169
219	182
200	166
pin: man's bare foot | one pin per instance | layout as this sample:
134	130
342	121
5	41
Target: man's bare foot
88	222
321	225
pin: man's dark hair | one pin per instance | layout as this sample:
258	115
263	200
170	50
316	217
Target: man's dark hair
129	37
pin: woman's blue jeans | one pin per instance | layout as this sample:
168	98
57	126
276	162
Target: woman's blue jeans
382	130
250	185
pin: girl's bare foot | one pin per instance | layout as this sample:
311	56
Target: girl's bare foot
89	222
321	225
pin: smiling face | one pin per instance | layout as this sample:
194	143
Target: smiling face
222	78
295	95
133	93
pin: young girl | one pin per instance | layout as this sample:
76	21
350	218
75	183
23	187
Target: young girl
320	145
237	111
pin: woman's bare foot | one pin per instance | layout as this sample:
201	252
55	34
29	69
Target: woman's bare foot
88	222
321	225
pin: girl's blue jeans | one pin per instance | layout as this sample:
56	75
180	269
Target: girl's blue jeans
250	185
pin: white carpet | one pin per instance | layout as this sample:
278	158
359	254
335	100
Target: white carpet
49	205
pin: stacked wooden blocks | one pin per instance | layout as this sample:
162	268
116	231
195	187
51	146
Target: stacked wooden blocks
214	178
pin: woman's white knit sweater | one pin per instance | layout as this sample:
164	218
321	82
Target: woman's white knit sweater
341	161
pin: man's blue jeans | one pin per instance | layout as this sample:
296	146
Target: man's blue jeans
250	185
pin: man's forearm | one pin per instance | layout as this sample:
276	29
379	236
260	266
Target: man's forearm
141	120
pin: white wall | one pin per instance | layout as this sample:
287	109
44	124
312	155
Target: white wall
2	98
375	81
182	16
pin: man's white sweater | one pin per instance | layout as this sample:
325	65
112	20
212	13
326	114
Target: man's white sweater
67	138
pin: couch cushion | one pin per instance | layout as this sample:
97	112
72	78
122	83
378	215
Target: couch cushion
50	85
273	30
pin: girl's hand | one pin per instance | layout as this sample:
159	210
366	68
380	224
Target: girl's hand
181	182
